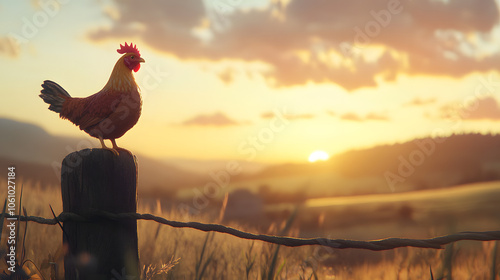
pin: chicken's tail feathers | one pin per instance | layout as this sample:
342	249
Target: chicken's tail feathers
54	95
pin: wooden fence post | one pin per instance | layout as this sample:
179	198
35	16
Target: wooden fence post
96	179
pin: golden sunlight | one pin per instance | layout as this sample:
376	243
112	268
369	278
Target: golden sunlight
318	155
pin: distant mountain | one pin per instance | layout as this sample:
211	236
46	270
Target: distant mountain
423	163
30	143
465	154
37	155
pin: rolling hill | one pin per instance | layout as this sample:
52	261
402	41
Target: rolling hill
38	155
418	164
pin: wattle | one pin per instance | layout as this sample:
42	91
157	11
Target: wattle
137	67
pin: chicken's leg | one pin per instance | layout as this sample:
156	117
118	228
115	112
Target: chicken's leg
113	150
113	141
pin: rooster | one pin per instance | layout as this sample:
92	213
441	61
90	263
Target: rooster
109	113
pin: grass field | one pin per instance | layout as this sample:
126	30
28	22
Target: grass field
177	253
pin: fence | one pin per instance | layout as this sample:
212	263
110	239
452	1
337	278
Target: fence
99	217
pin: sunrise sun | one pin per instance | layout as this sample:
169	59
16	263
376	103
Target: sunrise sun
318	156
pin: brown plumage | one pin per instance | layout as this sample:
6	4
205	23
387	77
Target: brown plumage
109	113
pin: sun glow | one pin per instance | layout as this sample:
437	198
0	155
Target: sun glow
318	155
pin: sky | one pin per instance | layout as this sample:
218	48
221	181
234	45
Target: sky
263	80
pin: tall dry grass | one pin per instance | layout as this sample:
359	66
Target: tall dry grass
172	253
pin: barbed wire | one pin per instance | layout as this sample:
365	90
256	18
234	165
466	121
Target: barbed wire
374	245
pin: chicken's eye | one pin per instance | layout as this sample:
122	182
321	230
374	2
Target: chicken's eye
132	56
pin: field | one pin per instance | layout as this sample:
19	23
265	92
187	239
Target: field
189	254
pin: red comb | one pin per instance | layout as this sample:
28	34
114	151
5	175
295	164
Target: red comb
128	48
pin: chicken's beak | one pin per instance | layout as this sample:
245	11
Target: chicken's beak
141	59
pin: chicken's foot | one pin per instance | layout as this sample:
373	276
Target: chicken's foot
113	150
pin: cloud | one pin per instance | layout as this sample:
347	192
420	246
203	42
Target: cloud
369	117
483	109
305	116
321	41
227	75
215	119
268	115
165	25
351	117
376	117
420	102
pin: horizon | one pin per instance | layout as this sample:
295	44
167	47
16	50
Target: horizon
201	164
285	89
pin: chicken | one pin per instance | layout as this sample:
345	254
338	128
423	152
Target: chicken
109	113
